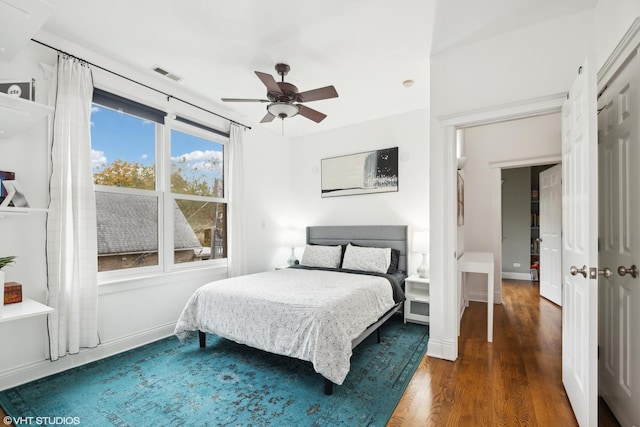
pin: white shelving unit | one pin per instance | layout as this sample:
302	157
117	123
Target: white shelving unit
24	309
7	212
416	305
18	114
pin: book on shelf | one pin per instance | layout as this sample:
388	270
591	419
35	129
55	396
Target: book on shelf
5	175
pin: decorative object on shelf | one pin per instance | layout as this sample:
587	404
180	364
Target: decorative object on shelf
15	197
4	261
7	260
293	237
360	173
460	200
5	175
20	89
12	292
420	245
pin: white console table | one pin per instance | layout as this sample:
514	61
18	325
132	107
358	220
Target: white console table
481	262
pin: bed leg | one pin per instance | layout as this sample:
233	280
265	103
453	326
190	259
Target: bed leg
328	387
378	333
203	339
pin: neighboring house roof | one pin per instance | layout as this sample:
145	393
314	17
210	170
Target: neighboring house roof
128	223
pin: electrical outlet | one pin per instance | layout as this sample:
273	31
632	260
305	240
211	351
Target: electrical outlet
516	264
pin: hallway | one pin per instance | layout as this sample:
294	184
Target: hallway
516	380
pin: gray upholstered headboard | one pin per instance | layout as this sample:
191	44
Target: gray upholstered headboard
380	236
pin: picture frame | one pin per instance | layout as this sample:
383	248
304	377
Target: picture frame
367	172
460	199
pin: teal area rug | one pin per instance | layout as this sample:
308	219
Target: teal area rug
226	384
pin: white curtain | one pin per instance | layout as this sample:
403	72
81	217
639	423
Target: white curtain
71	223
236	242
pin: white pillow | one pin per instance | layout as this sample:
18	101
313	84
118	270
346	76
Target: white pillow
361	258
322	256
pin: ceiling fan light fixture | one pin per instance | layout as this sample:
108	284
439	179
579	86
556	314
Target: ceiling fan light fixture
283	109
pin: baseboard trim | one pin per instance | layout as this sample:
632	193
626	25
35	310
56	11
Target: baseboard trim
442	349
44	368
516	276
482	297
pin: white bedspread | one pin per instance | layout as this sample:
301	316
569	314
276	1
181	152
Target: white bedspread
311	315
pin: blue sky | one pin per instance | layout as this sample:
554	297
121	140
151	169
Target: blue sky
120	136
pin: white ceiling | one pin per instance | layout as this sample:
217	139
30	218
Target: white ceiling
365	48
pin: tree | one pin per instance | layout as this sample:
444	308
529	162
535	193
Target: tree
122	173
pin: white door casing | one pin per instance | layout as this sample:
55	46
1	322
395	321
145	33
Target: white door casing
551	234
579	249
619	213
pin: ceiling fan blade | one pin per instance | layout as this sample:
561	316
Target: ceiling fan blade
268	118
243	100
318	94
269	82
311	114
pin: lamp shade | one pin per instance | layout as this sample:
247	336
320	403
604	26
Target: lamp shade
419	243
294	237
283	109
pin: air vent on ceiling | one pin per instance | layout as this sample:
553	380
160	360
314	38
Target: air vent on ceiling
166	73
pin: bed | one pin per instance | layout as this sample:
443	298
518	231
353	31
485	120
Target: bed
317	311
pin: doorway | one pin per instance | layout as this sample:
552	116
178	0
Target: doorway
491	150
521	220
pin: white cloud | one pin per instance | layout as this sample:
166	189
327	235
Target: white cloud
98	159
95	109
200	159
145	156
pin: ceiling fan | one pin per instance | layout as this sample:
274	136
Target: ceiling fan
285	100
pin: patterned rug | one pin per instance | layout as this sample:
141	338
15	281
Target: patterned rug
227	384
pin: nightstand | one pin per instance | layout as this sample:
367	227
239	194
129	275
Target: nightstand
416	305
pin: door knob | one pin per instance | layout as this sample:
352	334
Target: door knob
575	270
606	272
633	271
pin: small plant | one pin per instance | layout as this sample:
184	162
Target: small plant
7	260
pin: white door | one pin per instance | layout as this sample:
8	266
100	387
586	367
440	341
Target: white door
551	234
619	296
579	249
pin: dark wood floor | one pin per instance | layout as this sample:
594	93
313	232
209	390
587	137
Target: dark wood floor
516	380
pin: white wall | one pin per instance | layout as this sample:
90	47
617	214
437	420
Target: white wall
531	138
533	62
139	310
408	132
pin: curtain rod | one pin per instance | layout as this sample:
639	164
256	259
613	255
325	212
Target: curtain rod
169	96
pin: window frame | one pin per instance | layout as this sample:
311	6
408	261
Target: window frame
165	197
170	197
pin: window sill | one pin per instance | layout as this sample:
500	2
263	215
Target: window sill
125	284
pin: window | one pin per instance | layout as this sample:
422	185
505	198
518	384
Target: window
140	208
197	186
